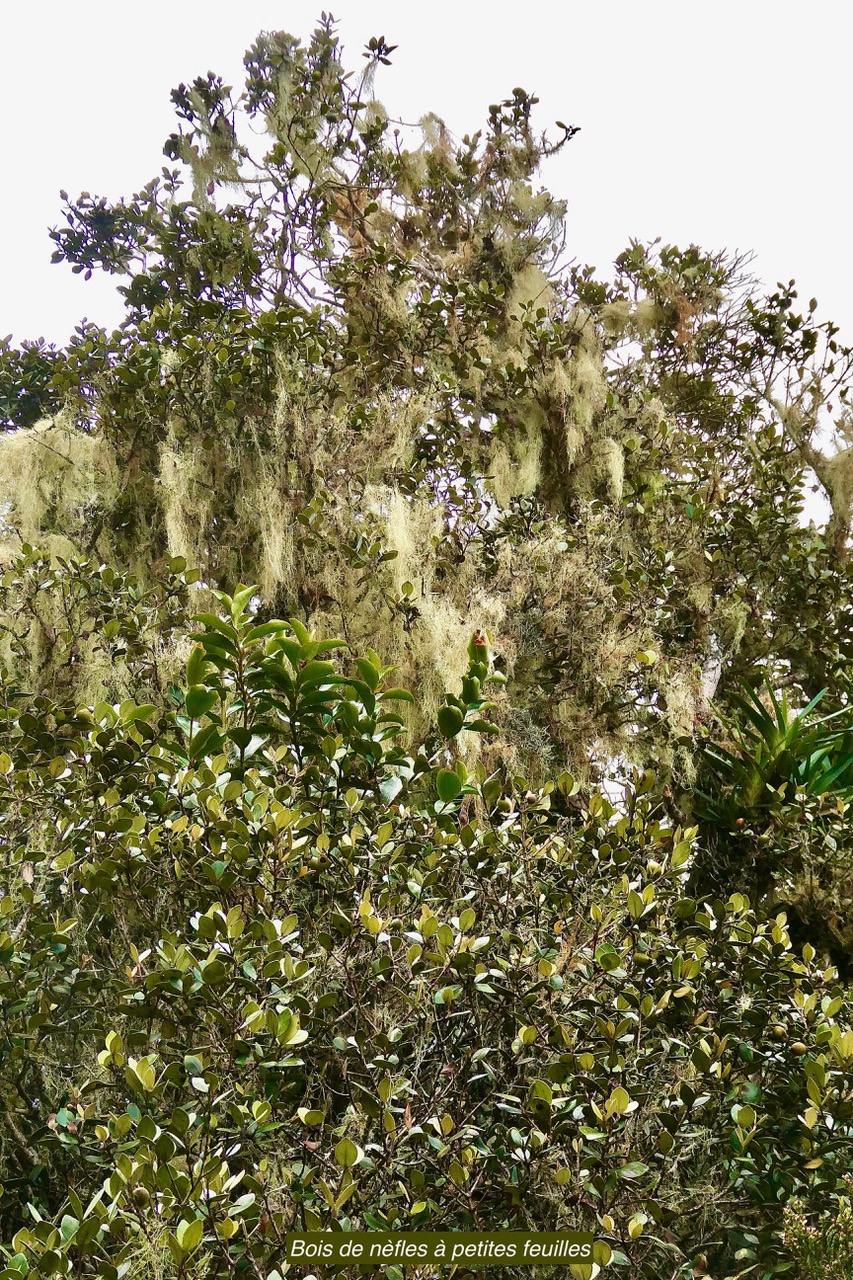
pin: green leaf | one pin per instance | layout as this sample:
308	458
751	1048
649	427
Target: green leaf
199	701
347	1153
309	1117
450	720
197	665
396	695
448	785
207	741
189	1234
618	1102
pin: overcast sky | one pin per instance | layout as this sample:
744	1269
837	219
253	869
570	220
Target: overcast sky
724	124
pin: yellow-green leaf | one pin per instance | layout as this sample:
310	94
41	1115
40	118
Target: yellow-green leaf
347	1153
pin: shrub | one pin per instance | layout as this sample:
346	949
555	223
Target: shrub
823	1252
262	969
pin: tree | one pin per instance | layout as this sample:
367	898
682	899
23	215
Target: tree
357	370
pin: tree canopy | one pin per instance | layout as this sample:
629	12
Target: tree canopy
552	927
354	359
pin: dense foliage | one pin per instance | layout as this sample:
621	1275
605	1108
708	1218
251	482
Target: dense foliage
553	930
263	969
356	369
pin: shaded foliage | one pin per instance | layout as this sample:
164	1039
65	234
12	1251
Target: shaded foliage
264	968
285	943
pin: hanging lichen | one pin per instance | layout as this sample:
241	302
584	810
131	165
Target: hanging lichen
55	480
357	371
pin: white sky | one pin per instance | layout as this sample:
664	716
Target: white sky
725	124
